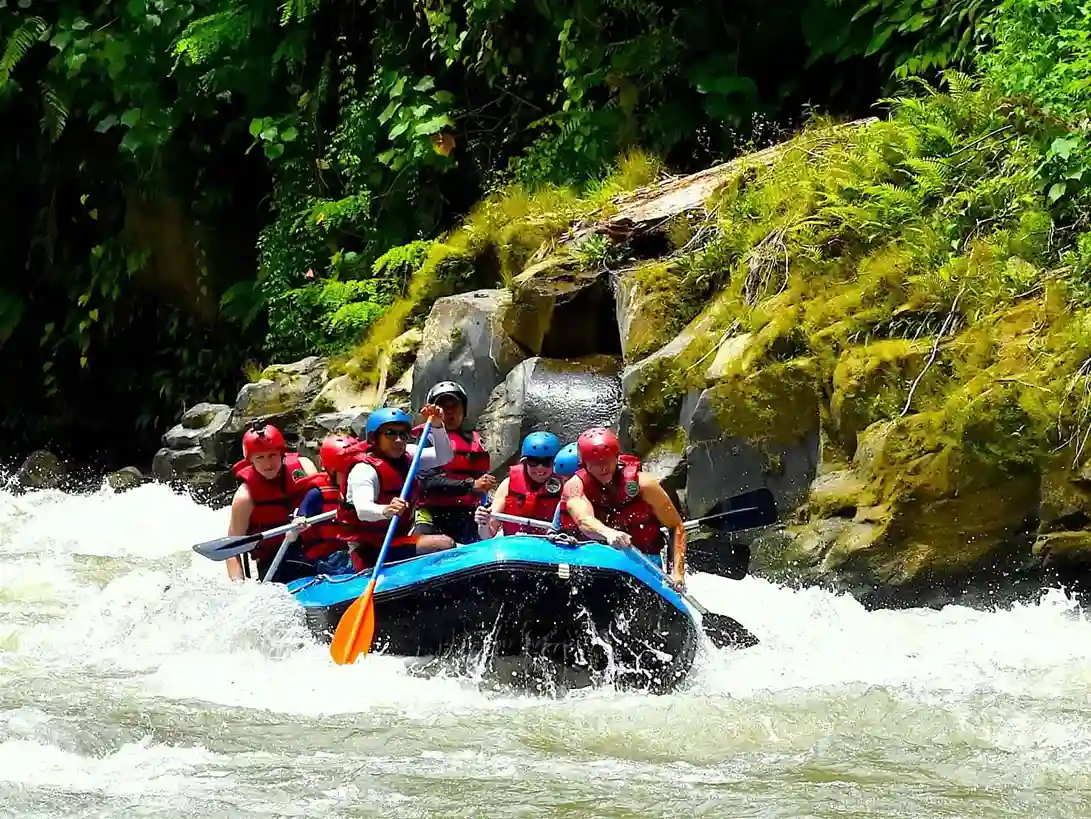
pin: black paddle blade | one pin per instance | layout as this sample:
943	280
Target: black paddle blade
750	510
223	548
727	632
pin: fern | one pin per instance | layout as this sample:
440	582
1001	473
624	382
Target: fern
55	112
300	9
19	43
207	36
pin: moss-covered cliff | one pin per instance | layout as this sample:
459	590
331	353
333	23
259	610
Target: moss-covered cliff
900	288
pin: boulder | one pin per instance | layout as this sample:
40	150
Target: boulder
345	394
124	479
192	469
41	470
562	397
642	421
205	426
466	339
315	429
282	396
753	429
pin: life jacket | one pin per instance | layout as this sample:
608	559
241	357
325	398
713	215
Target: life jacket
274	500
364	538
323	539
525	502
619	505
470	460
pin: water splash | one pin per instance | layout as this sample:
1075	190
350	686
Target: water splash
132	669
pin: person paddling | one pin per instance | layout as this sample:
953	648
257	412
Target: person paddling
274	482
610	499
451	494
531	489
376	470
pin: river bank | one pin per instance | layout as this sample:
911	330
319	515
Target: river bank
882	326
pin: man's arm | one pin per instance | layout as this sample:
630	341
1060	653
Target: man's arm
583	513
438	454
667	515
362	490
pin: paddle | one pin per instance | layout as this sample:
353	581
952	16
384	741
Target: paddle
356	630
224	548
311	501
750	510
721	630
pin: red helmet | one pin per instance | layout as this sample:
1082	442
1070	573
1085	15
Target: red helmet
596	444
263	439
332	452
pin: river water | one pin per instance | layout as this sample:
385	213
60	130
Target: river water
136	681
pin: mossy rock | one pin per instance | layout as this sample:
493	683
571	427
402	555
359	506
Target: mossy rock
1064	549
872	383
655	301
776	403
555	277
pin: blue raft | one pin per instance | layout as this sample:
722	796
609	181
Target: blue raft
584	611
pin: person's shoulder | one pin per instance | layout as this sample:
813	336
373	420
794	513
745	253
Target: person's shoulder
242	496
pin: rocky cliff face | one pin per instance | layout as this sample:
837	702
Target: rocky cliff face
821	319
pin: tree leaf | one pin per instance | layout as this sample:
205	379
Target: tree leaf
130	117
426	84
389	111
398	130
289	134
1057	191
433	125
106	124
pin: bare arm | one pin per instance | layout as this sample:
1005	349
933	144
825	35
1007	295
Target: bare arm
241	507
308	466
583	513
667	515
498	501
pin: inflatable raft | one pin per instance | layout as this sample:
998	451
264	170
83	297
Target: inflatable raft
577	612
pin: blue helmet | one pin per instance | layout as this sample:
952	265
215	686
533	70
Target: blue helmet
386	415
540	445
567	461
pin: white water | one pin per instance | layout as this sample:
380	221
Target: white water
135	680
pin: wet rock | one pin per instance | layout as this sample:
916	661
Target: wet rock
41	470
562	397
124	479
465	340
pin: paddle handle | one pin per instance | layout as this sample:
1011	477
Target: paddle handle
287	527
556	524
540	524
414	465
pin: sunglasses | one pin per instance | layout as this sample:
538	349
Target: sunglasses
403	434
539	461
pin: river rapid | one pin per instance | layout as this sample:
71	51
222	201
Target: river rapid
135	680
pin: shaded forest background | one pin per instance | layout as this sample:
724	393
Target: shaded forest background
192	190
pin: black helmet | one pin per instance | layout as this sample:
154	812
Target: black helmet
447	388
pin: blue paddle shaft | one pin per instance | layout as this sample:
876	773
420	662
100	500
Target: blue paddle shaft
414	465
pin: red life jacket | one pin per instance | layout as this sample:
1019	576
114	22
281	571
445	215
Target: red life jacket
364	538
323	539
525	502
470	460
620	506
275	500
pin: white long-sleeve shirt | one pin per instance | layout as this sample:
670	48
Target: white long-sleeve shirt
363	480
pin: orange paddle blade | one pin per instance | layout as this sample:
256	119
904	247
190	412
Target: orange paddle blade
356	630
